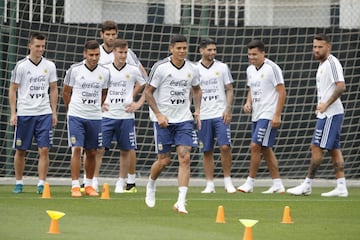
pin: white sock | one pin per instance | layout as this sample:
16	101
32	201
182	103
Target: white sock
210	184
182	194
41	183
88	182
75	183
120	182
308	181
131	178
227	181
19	182
341	182
250	181
151	182
95	180
277	182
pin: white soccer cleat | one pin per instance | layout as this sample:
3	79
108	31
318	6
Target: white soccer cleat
230	189
275	189
119	189
180	208
246	188
150	196
302	189
337	192
208	190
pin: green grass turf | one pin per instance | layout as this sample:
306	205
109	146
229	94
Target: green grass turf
125	216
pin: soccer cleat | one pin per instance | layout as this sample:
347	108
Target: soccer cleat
302	189
208	190
75	192
337	192
119	188
18	188
180	208
230	189
246	188
82	187
130	188
40	189
150	196
273	189
90	191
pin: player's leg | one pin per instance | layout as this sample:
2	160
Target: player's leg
223	137
273	166
24	132
131	180
98	161
123	171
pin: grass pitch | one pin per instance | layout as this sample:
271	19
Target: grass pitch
125	216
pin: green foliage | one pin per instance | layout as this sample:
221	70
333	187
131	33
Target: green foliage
125	216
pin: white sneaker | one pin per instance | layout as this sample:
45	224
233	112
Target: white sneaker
246	188
180	208
302	189
208	190
230	189
95	185
150	196
337	192
119	189
273	189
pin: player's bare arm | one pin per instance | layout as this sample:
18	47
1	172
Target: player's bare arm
340	88
280	88
227	114
247	105
12	100
66	94
149	96
197	96
54	96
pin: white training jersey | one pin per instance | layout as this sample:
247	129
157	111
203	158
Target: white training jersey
213	81
121	88
108	57
328	74
173	86
262	83
33	90
87	86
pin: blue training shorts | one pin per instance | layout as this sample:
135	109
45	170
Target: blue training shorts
175	134
262	133
122	130
211	129
84	132
327	132
39	127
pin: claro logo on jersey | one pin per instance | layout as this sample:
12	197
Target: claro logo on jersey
38	86
178	94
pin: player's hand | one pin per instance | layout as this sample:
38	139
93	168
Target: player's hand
226	116
275	122
321	107
163	121
247	108
132	107
13	120
105	107
54	120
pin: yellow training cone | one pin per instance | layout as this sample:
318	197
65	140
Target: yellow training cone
54	225
248	223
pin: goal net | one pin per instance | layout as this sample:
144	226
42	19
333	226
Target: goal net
286	27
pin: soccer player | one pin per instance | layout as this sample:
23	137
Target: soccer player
168	92
118	117
216	110
109	32
265	100
32	109
84	91
330	85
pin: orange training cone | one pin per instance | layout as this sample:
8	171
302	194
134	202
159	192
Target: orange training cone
54	224
286	215
46	192
220	216
105	192
248	223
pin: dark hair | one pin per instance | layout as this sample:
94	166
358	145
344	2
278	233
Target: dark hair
322	37
177	38
206	41
120	43
109	25
256	43
91	44
38	36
